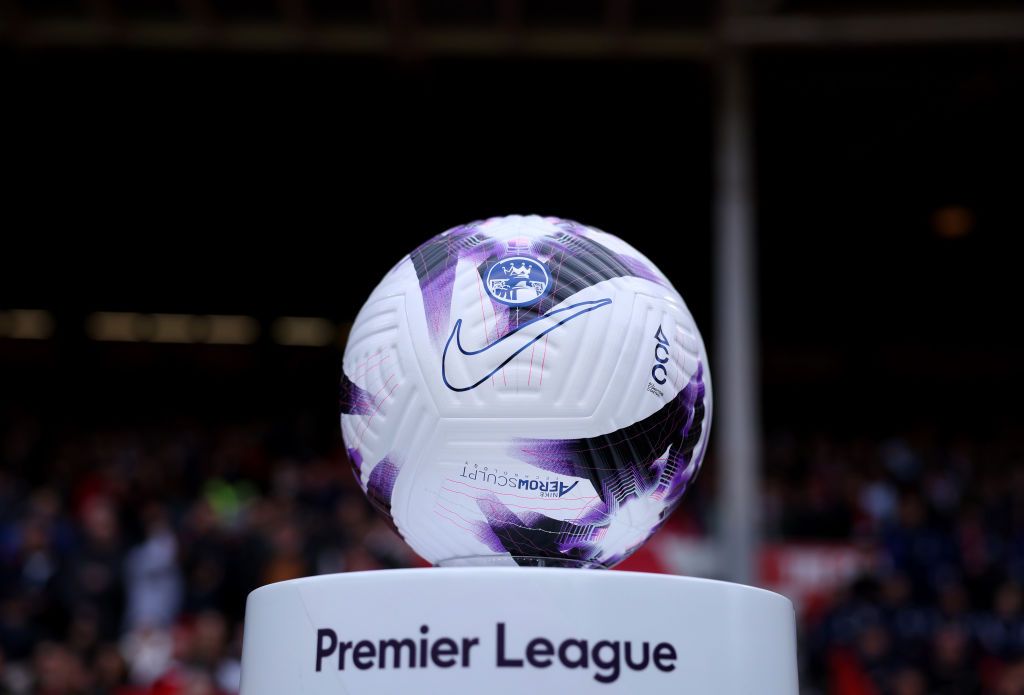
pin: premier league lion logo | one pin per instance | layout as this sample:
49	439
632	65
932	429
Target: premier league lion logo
518	281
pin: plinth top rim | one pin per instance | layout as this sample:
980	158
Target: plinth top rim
566	574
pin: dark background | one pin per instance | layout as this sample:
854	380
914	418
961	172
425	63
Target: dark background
275	185
211	180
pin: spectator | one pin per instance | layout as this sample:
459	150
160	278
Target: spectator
152	575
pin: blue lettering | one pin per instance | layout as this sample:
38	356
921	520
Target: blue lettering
664	373
661	361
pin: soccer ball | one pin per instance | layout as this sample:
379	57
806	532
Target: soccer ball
525	390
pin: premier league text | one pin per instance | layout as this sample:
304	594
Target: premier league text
607	659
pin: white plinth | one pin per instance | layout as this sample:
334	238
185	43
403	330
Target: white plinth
516	630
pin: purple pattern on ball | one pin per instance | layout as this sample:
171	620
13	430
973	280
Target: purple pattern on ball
574	260
353	400
435	262
655	458
381	485
531	534
639	269
356	458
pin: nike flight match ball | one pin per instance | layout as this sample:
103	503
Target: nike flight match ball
525	390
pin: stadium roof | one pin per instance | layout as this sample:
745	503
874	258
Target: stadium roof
578	28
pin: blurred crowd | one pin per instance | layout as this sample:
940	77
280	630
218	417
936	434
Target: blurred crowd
938	608
126	553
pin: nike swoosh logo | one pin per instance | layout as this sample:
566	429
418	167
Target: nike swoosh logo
483	363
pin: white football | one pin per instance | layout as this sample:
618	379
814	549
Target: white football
525	390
